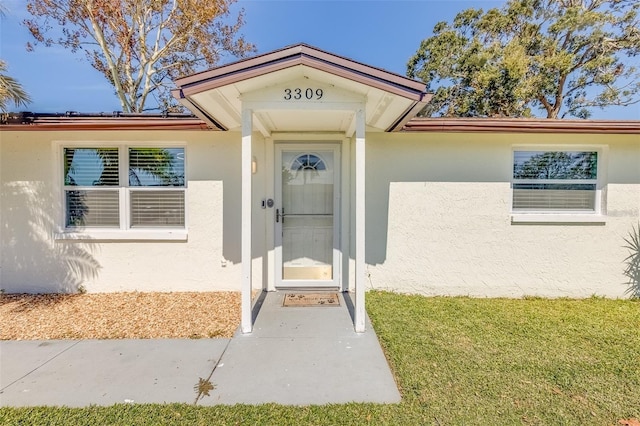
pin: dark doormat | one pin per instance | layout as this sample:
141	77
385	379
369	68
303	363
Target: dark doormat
311	299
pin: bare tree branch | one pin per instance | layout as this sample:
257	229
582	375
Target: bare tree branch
135	43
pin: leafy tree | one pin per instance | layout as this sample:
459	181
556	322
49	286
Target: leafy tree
532	54
10	89
140	46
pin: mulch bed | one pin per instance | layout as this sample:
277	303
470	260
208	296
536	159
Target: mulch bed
119	315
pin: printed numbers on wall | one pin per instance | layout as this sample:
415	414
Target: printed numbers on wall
298	93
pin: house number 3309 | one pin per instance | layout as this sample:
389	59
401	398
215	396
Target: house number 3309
299	93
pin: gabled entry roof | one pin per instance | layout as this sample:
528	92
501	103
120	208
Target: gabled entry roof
216	96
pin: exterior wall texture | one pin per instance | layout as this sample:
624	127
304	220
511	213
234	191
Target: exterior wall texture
34	261
439	222
438	218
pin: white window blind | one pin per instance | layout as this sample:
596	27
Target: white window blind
157	208
93	208
555	181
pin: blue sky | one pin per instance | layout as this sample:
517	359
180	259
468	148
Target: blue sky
384	34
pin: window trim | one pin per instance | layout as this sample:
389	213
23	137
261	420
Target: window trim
598	216
124	232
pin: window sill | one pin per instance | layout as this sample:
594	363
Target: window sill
559	218
122	235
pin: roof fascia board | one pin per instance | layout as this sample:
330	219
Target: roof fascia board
507	125
234	67
367	70
319	64
415	125
364	78
203	86
296	51
106	125
263	64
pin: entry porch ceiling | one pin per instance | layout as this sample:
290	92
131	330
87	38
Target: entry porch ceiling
330	90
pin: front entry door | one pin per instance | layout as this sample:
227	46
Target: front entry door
307	214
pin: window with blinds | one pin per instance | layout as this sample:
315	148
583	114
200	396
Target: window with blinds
91	180
555	181
156	181
124	188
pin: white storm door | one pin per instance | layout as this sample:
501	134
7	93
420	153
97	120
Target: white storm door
307	242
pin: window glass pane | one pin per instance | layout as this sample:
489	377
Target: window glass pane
157	208
308	162
156	167
542	197
91	166
92	208
555	165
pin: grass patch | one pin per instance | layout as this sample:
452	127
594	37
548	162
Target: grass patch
456	361
539	361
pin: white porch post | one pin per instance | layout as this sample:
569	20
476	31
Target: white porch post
247	126
360	220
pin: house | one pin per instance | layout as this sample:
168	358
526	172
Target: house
303	169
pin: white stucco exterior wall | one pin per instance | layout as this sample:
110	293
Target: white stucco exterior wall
439	223
34	261
438	219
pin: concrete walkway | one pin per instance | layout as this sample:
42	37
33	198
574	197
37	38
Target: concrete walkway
295	356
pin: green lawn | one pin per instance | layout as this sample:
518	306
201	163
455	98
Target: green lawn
457	361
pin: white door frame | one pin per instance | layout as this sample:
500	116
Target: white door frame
354	212
311	147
